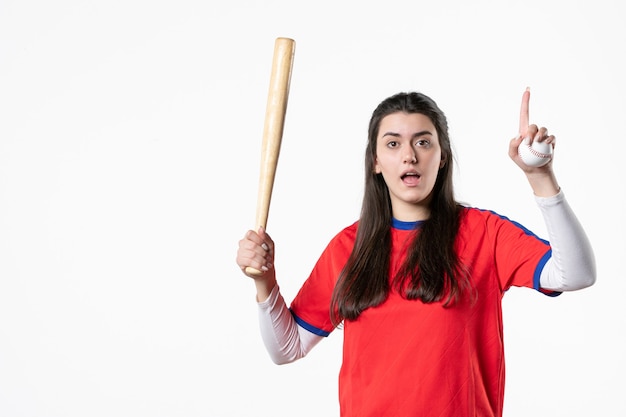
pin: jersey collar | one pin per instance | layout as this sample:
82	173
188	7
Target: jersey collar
399	224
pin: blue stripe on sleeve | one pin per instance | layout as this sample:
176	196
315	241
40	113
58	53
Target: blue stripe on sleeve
520	226
537	276
309	327
542	261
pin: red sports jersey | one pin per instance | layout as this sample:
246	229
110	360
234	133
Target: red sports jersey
407	358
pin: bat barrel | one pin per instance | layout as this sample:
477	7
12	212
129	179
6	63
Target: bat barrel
277	97
276	109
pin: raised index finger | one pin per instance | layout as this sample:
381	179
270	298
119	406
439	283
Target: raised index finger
523	114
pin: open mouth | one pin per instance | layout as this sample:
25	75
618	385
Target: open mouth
410	178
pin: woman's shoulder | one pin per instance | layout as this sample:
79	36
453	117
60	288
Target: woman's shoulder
348	233
473	218
476	217
471	212
342	241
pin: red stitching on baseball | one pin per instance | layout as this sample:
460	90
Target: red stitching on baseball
535	153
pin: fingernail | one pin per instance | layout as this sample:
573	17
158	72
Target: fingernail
264	246
264	268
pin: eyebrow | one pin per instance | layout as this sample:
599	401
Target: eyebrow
415	135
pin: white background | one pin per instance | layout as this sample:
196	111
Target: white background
130	135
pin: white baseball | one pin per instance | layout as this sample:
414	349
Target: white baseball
536	154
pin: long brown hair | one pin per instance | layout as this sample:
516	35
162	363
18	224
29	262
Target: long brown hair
432	269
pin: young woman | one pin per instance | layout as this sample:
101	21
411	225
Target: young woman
417	281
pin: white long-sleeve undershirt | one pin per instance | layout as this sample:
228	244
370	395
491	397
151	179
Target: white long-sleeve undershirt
571	267
284	339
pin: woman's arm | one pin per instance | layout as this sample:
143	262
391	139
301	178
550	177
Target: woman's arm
572	265
284	340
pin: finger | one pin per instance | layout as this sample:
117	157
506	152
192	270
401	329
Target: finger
257	248
253	237
253	256
542	135
268	243
524	118
514	145
532	131
253	246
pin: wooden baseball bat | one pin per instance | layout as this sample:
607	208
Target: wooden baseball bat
280	78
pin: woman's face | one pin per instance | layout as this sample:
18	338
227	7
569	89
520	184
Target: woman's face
408	156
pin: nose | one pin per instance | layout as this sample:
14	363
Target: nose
410	156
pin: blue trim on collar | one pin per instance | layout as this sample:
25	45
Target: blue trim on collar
399	224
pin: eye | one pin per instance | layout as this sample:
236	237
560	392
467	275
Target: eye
422	143
392	144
